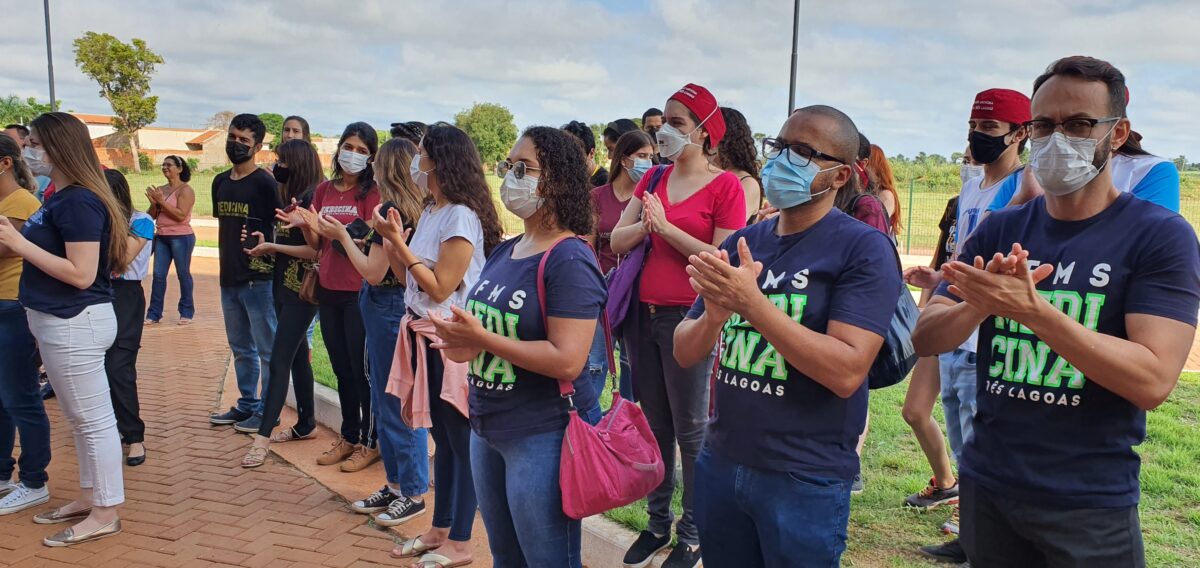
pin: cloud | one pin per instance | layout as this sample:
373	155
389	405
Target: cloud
905	71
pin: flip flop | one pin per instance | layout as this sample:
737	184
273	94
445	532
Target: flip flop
439	561
411	549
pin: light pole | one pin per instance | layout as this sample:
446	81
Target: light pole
50	57
795	38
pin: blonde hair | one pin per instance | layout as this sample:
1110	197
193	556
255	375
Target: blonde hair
69	148
395	181
10	149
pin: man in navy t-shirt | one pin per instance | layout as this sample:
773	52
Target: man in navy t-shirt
800	320
1085	301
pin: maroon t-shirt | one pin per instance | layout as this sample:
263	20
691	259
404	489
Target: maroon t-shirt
608	209
336	271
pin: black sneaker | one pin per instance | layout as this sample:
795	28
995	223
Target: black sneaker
950	552
399	512
375	502
933	496
644	548
858	486
233	416
683	556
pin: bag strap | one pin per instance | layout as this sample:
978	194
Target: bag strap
566	388
656	176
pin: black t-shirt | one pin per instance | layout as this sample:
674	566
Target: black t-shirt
249	202
75	215
389	280
946	233
289	270
599	177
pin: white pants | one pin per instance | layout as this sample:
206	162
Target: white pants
73	352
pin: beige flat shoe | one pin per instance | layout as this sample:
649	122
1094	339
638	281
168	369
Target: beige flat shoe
68	536
54	517
254	457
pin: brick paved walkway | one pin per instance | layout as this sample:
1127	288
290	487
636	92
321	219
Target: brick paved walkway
189	505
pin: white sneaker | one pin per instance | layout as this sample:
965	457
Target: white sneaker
6	487
23	498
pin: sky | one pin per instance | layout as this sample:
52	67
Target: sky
905	71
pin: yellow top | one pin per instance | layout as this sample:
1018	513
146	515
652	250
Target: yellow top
18	206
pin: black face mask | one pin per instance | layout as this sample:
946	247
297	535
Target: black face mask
237	152
281	173
985	148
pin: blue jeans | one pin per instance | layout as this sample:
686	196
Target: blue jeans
750	517
517	484
167	248
404	451
21	407
249	311
958	397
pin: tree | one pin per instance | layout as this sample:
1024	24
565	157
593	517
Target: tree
1180	162
956	157
221	120
15	111
274	123
491	127
601	156
123	72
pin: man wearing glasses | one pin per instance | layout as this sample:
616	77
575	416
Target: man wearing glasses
1085	303
800	303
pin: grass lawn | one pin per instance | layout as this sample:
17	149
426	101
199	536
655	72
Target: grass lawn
885	533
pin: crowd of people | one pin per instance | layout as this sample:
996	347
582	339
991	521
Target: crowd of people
751	329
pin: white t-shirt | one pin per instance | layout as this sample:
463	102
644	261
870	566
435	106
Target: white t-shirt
435	228
140	225
973	202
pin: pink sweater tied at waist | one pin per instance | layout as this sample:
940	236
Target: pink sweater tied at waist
411	386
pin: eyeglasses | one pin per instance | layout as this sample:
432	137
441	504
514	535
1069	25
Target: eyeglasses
518	169
800	155
1072	128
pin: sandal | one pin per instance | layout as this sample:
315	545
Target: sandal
291	435
151	322
411	548
254	457
184	321
439	561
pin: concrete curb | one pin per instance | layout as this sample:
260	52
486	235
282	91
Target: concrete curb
604	541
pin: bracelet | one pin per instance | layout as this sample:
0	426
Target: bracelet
409	267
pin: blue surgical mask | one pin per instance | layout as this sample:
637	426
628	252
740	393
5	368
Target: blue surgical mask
639	169
787	185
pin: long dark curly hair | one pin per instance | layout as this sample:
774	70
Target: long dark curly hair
459	172
563	184
736	150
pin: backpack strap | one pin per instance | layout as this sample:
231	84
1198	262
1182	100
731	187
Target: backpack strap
656	176
566	388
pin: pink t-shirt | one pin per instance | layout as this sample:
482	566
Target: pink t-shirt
167	226
336	271
720	204
608	209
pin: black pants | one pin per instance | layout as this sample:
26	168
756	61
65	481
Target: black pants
1002	532
345	340
454	502
120	361
290	354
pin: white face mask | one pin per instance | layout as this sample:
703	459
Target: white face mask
520	195
672	142
419	177
352	162
35	158
968	171
1063	165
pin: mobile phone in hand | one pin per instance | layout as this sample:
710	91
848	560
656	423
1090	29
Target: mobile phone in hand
250	240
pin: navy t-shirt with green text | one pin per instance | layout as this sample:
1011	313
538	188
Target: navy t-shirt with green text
1045	432
75	215
767	413
508	401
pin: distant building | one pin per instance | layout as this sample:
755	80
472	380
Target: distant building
206	146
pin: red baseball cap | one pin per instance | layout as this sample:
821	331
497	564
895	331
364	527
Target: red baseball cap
1001	104
704	105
